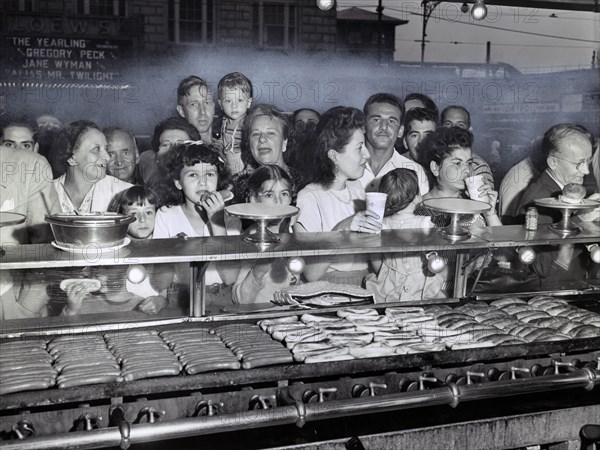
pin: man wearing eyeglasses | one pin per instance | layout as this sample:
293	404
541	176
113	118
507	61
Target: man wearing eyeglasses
568	149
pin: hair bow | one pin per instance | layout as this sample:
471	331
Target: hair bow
190	142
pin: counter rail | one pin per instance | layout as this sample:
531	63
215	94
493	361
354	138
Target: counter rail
300	413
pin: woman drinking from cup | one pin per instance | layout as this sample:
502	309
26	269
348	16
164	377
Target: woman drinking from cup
447	157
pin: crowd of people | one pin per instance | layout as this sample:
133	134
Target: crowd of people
322	163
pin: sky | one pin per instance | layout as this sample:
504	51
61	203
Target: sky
454	36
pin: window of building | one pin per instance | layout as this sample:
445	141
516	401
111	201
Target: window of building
19	5
192	21
275	25
102	7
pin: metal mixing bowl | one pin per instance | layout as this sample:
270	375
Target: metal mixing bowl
80	230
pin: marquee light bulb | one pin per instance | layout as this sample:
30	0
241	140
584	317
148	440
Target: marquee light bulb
479	10
325	5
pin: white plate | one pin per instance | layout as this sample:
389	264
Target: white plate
457	205
551	202
89	247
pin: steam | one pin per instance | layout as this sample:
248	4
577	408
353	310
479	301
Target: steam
145	92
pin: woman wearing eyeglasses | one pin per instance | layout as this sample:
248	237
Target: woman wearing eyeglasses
446	156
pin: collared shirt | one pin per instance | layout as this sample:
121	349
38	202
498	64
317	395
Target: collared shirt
514	184
26	188
370	181
96	199
232	145
560	185
322	209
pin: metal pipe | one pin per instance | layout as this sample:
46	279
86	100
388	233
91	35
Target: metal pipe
585	378
147	432
301	413
362	405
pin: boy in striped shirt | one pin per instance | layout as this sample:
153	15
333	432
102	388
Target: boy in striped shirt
235	97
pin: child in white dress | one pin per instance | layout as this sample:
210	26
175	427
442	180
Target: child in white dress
402	276
195	179
120	291
257	281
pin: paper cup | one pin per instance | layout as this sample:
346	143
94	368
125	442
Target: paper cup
376	203
473	184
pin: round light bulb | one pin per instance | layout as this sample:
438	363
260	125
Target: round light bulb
527	255
595	253
479	11
296	265
136	273
464	8
435	263
325	5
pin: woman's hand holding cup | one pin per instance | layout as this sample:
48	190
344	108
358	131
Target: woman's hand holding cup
366	222
479	190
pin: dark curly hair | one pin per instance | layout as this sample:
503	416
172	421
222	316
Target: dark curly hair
65	142
333	132
417	115
256	111
268	172
188	154
440	144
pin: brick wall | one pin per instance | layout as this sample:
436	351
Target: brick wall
155	14
234	23
317	29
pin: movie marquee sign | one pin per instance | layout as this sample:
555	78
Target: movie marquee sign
65	49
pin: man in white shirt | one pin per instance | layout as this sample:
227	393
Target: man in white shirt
26	186
26	189
196	104
383	116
